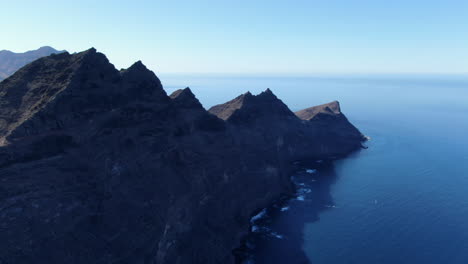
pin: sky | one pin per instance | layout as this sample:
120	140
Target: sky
253	37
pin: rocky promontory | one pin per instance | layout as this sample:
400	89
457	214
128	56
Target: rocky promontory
99	165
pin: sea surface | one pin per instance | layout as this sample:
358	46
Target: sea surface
403	200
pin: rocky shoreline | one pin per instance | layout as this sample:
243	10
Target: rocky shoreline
245	253
102	166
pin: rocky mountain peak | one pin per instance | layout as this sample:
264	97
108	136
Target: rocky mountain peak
249	107
267	93
224	111
137	66
185	98
44	95
142	83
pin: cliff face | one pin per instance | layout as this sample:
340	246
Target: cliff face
11	62
102	166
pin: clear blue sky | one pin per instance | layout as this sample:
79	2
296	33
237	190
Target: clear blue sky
290	37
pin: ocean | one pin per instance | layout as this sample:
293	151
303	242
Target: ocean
403	200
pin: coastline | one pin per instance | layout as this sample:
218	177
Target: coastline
262	217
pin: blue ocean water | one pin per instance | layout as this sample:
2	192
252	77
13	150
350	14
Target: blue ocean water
402	200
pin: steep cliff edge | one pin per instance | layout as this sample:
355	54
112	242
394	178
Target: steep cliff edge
102	166
337	134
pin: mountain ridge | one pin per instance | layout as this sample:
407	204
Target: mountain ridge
106	167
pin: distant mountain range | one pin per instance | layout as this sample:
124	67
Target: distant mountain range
10	61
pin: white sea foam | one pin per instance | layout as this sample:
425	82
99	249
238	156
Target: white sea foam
301	192
311	171
255	229
304	191
284	208
274	234
258	216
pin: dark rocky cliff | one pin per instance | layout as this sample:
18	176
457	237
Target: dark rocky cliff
102	166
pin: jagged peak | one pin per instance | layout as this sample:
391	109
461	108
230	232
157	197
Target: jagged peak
185	98
186	92
267	95
266	104
224	111
139	72
332	108
143	83
267	92
81	74
138	82
241	99
91	56
90	50
87	53
138	65
335	107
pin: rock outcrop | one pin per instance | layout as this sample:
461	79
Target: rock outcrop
331	125
102	166
330	109
10	62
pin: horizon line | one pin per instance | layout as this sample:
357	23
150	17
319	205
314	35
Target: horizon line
312	74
